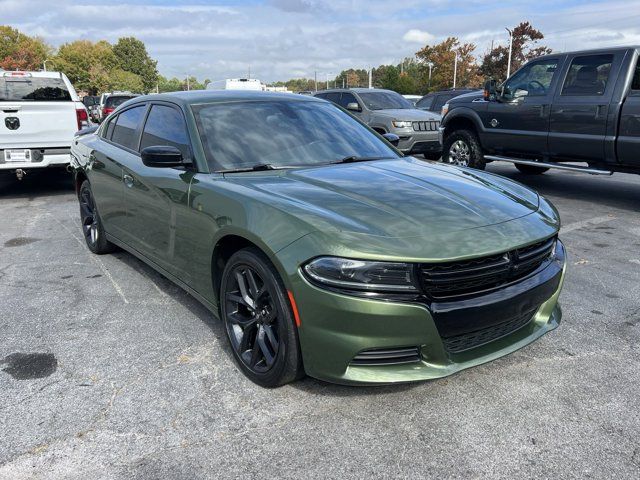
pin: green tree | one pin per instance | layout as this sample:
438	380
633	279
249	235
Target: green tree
21	52
524	48
122	80
132	57
88	65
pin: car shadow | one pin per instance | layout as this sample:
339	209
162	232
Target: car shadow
618	191
39	183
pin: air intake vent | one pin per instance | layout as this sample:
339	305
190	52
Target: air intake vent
451	279
387	356
467	341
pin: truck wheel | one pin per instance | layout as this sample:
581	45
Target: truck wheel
530	169
462	148
91	223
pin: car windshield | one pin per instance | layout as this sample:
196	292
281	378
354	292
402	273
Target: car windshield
384	100
115	101
239	135
17	89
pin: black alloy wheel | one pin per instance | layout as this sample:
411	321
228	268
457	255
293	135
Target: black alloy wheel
258	320
92	228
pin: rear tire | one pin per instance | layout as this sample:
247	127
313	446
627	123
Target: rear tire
259	321
530	169
463	148
92	228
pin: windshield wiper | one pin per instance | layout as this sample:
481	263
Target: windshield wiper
254	168
354	159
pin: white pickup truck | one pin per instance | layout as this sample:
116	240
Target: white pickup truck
39	115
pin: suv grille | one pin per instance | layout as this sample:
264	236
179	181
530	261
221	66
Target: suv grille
467	341
443	280
428	126
387	356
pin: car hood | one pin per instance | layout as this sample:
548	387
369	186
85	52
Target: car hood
407	114
391	198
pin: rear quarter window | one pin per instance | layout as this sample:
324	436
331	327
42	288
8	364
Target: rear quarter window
126	127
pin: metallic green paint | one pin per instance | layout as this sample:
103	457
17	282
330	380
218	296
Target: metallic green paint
400	209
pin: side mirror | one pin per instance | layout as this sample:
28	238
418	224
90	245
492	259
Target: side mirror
353	107
162	156
489	89
392	138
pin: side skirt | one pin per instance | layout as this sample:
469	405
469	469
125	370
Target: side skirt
213	308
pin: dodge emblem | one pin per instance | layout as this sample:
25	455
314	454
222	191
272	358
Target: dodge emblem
12	123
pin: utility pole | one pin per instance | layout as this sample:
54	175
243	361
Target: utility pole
315	79
249	77
430	65
455	70
510	50
44	64
327	80
370	75
188	84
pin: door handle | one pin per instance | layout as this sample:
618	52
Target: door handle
128	180
542	109
599	110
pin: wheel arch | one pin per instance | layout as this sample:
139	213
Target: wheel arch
78	178
463	119
228	243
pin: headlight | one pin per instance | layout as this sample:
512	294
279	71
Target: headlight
445	109
401	124
361	275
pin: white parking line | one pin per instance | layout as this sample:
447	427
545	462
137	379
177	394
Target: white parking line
586	223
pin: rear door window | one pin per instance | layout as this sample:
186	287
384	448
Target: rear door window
334	97
165	126
116	101
126	126
588	75
425	103
36	89
346	99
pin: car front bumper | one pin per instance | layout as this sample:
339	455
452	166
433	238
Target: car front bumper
417	142
335	328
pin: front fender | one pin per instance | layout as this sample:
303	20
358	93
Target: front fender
462	113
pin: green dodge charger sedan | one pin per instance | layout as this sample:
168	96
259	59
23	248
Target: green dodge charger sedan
321	248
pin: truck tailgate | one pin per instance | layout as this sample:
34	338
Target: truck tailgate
40	124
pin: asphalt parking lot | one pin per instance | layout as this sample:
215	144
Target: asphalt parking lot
134	378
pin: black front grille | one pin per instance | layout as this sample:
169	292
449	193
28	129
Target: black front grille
387	356
426	126
467	277
467	341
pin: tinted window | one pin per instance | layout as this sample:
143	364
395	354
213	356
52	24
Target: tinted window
108	128
333	97
36	89
588	75
425	103
346	99
113	101
124	131
635	84
534	79
384	100
165	126
322	96
440	101
282	133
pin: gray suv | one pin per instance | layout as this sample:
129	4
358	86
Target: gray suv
386	111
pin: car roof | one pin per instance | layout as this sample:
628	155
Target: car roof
356	90
591	51
195	97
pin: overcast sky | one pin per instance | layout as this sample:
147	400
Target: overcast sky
282	39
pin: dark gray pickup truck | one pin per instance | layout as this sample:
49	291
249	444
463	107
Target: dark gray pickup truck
579	107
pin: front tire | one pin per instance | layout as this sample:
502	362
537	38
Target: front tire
530	169
259	321
463	148
92	228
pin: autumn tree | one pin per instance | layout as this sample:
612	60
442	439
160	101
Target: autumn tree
21	52
442	56
524	47
132	56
